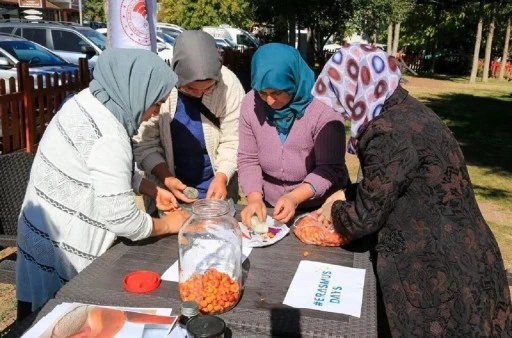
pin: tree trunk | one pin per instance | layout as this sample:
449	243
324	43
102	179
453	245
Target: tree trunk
292	33
374	38
504	57
488	44
436	37
478	40
310	54
396	39
390	38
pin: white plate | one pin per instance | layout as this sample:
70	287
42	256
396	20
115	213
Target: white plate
251	239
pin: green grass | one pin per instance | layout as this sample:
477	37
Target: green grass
492	187
503	235
480	117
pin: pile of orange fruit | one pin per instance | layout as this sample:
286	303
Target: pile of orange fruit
310	231
214	291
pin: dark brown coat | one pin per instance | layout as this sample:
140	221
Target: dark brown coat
438	263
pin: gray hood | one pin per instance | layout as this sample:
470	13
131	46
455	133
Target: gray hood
195	57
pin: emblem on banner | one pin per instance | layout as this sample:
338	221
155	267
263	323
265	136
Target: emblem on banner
134	20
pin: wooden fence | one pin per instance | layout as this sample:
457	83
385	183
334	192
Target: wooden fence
238	61
28	103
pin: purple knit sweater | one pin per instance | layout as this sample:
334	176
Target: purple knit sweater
313	152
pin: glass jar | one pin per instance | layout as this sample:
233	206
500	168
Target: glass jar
210	257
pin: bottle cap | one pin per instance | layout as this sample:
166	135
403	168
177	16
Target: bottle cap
141	281
206	326
189	308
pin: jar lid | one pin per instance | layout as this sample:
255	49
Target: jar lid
141	281
206	326
189	308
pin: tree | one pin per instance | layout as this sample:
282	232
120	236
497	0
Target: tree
400	9
488	42
478	40
369	17
390	38
321	18
193	14
94	11
504	57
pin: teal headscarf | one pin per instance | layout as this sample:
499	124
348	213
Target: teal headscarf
281	67
129	81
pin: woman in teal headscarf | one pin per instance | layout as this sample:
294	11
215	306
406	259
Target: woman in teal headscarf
291	152
80	195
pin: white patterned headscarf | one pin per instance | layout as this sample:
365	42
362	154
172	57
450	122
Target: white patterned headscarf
356	81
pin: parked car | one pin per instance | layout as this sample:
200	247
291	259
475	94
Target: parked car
69	41
169	29
164	43
14	49
237	36
166	38
225	43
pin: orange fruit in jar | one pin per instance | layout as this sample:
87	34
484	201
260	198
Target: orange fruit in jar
214	291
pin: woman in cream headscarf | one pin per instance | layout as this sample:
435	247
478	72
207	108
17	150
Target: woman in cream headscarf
80	194
194	140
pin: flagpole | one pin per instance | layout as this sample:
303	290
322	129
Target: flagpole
80	11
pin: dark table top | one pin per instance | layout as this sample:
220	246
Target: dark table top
268	273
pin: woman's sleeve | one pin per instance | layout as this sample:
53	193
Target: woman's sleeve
329	150
389	159
147	148
226	161
249	169
110	164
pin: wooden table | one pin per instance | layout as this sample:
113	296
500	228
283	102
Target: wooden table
268	273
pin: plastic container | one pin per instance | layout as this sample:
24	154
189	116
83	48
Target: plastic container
210	257
310	231
206	327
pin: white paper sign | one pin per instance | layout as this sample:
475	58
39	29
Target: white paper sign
172	273
327	287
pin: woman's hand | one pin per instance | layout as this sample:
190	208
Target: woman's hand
324	213
284	209
165	200
255	206
177	187
218	187
175	219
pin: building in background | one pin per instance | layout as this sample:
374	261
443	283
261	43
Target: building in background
54	10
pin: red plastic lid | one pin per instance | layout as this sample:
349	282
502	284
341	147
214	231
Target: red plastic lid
141	281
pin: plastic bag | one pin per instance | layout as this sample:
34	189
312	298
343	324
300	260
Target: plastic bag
310	231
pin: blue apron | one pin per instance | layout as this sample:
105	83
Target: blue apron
192	163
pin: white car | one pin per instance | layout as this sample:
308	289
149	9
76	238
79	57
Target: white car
164	46
237	36
41	61
170	29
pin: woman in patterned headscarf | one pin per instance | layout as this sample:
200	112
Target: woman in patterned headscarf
439	267
289	154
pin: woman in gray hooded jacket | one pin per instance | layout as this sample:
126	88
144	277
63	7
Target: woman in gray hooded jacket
194	140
